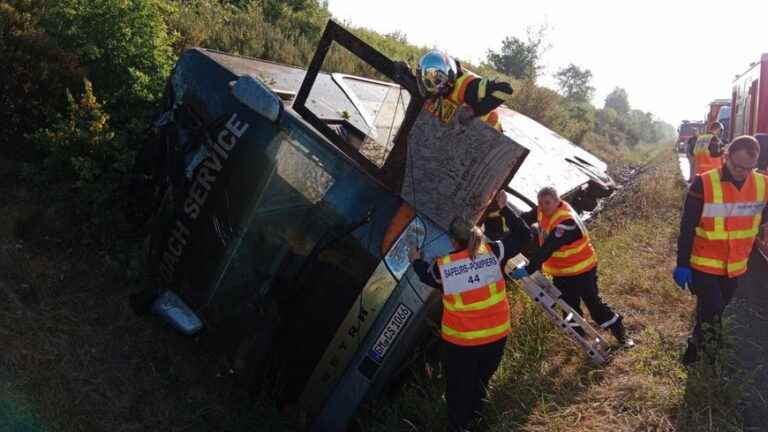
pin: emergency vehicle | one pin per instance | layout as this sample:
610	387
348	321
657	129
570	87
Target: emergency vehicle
713	111
749	100
686	130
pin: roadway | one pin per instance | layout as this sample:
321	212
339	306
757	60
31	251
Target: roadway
685	168
750	314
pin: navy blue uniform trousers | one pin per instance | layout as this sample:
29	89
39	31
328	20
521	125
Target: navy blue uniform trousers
713	293
468	371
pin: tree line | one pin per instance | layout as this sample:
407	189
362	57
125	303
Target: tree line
80	79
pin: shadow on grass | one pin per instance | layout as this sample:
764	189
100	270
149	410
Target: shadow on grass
750	315
715	384
731	396
540	368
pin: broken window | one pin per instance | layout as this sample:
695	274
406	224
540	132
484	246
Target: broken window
361	116
383	107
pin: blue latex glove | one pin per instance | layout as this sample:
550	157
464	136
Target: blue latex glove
519	273
683	276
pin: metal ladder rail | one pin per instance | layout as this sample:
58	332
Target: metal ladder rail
548	297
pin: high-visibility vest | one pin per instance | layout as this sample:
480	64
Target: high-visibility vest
729	224
444	107
475	305
703	160
574	258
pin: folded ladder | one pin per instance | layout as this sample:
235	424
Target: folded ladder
545	294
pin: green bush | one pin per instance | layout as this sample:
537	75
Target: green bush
541	104
34	76
239	30
285	32
80	145
125	45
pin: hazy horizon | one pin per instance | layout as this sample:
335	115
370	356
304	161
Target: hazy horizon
673	58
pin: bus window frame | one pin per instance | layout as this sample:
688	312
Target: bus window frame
335	33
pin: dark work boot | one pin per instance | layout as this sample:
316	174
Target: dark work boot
691	354
620	333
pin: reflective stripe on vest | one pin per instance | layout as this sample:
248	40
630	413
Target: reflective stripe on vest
573	270
702	159
476	310
444	107
729	224
574	258
498	331
707	265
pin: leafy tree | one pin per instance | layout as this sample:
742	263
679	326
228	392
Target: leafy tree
575	83
519	58
34	76
125	45
540	104
581	120
618	100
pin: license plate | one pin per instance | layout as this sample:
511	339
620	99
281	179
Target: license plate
387	337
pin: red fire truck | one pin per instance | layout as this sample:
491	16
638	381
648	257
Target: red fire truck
713	110
749	103
686	130
749	111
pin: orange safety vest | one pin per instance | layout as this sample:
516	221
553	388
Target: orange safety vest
475	305
574	258
703	160
444	107
729	224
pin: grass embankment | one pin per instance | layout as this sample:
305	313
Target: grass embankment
546	384
74	358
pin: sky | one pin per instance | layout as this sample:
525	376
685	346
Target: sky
673	57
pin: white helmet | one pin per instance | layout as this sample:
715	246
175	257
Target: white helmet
436	74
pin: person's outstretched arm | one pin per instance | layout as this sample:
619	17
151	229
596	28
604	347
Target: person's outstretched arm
428	273
485	95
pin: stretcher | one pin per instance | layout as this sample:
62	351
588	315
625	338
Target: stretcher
546	295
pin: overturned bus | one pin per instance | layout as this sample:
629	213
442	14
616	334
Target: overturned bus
282	203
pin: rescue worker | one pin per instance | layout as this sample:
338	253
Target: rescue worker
501	220
722	217
708	151
475	319
448	86
690	146
566	253
450	91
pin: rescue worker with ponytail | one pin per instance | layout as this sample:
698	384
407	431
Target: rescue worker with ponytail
725	212
566	253
475	319
708	150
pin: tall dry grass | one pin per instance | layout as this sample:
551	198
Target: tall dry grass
74	357
546	384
